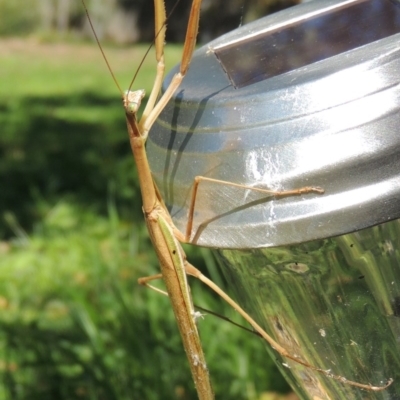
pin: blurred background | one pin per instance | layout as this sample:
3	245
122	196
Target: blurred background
74	324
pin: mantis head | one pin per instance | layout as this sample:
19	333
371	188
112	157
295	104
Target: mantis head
132	100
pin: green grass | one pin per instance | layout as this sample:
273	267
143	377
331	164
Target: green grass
73	321
32	68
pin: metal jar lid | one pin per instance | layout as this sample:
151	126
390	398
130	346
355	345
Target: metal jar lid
332	123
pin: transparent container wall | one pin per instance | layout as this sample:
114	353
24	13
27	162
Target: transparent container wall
333	302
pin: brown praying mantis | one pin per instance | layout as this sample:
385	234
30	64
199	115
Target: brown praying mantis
166	238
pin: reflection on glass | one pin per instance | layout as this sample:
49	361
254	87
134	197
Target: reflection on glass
333	302
292	46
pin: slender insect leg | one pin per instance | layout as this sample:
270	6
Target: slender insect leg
193	271
188	48
273	193
145	282
160	29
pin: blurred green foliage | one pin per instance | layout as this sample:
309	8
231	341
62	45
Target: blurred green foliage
63	131
73	322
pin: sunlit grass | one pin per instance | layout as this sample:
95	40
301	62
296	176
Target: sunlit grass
55	69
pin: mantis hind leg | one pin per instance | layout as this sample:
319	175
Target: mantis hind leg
193	271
